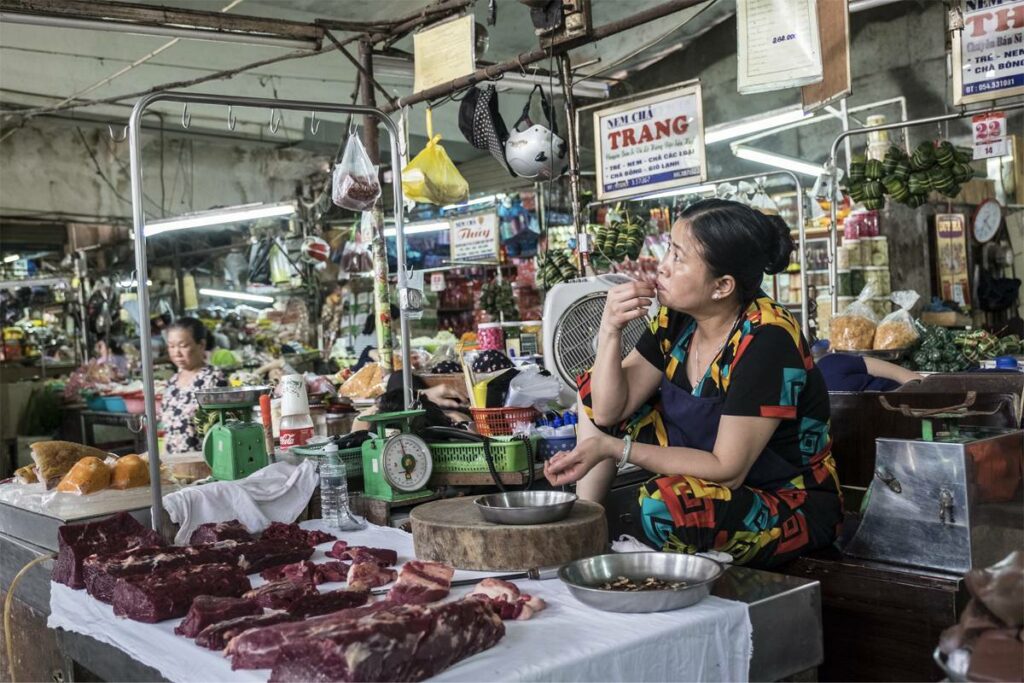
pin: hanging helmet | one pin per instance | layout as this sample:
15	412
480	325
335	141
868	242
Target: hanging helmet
315	250
481	122
533	150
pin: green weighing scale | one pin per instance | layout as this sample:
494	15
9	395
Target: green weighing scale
396	468
233	448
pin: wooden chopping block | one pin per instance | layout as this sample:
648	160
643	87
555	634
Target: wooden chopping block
452	531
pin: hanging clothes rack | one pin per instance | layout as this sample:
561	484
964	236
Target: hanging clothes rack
830	169
139	224
801	228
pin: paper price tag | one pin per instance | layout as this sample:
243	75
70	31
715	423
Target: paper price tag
990	138
437	283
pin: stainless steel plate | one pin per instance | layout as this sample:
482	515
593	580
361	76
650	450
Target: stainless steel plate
526	507
584	578
234	396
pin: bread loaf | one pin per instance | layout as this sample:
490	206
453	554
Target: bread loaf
130	471
88	475
54	459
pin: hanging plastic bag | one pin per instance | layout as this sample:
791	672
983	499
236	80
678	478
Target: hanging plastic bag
354	184
854	328
897	330
431	177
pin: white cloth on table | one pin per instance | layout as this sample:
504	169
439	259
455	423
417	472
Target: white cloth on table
276	493
709	641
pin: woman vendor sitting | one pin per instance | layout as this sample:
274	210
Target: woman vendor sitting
720	397
187	344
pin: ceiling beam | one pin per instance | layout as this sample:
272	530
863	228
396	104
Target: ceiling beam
149	18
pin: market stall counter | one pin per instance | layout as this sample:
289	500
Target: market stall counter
566	641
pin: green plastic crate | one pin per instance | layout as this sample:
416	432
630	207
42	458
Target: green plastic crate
510	455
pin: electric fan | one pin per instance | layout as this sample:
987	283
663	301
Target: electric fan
572	316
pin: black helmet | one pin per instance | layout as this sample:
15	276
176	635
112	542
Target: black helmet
481	122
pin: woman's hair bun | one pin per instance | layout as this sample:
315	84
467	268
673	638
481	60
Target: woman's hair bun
779	243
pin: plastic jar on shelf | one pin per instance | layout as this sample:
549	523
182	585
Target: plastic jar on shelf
490	337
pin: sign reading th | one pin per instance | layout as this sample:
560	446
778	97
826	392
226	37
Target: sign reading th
988	54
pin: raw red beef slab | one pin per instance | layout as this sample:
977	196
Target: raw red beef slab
324	603
404	643
297	571
216	636
259	648
330	572
101	572
220	531
421	582
293	532
255	556
75	542
358	553
207	610
156	597
279	594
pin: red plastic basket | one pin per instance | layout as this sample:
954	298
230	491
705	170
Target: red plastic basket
500	421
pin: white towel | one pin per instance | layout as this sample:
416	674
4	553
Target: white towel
276	493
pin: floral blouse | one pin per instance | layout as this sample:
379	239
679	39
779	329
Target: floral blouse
179	406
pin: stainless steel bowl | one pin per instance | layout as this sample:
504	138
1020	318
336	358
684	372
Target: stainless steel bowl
231	396
526	507
584	578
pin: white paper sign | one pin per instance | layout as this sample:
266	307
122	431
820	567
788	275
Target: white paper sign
651	143
437	283
443	52
990	135
475	238
988	54
777	44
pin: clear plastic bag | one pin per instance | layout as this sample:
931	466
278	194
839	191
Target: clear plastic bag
354	184
431	177
897	330
854	328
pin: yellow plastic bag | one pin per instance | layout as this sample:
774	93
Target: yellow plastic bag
431	177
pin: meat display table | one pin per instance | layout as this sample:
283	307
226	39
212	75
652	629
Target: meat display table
784	613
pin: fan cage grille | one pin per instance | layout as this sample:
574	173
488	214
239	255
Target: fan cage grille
575	337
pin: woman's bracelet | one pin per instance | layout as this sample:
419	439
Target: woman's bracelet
627	447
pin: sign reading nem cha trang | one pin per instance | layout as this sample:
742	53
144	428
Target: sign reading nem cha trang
988	53
648	143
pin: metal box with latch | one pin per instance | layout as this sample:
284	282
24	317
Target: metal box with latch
950	503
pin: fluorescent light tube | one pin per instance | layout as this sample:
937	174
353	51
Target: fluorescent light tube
232	214
473	202
753	124
777	160
689	189
12	258
418	228
241	296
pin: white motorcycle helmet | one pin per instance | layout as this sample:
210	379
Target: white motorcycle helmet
533	150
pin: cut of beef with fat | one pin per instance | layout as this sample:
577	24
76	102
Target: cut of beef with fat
259	648
358	553
367	575
255	556
220	531
293	532
316	604
216	636
279	594
421	582
75	542
156	597
506	599
207	610
298	572
401	643
331	571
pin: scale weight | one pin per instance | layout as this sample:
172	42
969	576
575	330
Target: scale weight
396	468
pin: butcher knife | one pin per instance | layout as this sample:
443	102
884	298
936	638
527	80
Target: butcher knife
536	574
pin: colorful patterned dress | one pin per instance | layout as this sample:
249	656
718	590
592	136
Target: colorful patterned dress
179	405
790	502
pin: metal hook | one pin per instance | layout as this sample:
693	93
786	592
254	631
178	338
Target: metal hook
314	125
275	121
115	138
522	69
231	119
186	118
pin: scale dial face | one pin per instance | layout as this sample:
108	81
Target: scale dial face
987	220
406	462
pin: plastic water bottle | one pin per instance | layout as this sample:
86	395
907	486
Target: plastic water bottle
334	493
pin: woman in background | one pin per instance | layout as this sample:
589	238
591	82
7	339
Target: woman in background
188	340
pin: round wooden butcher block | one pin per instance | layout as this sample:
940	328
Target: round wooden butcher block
452	531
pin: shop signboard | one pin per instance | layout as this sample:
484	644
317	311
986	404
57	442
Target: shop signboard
443	52
951	263
777	45
475	238
651	142
988	53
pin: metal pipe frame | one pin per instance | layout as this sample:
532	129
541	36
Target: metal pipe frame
139	223
830	168
801	228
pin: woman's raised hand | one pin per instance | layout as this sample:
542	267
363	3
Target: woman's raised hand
625	303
